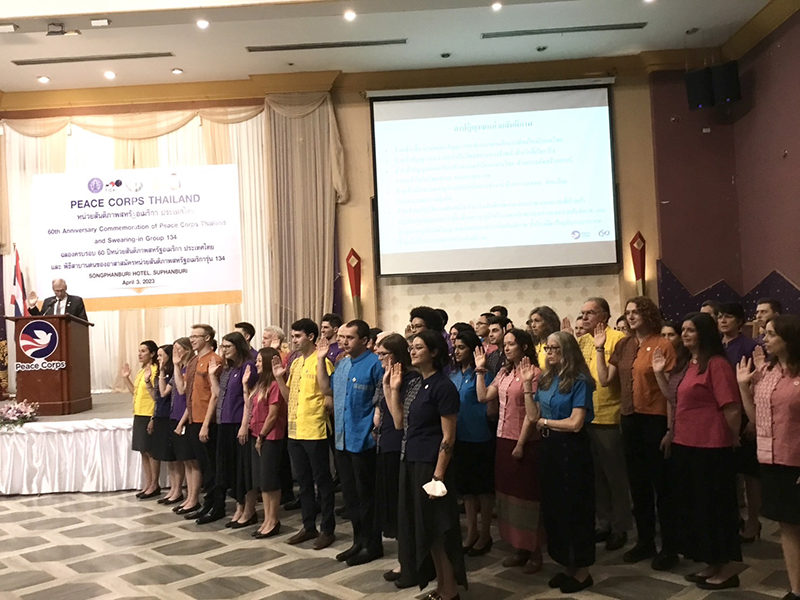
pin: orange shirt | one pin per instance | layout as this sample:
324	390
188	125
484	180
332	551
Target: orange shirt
198	385
638	386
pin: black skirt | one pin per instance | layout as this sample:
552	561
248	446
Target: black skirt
568	498
474	462
266	467
227	463
708	510
141	440
780	493
423	522
745	458
181	445
387	492
161	439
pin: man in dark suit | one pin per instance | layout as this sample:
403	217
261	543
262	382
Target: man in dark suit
59	304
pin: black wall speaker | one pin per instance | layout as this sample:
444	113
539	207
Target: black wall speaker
725	83
699	88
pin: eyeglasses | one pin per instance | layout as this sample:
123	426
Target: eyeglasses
383	353
196	337
226	345
550	349
416	327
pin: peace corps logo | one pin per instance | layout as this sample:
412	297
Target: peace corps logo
38	340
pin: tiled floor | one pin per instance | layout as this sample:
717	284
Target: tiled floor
104	546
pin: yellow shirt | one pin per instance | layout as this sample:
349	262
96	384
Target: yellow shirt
307	418
143	403
541	355
606	400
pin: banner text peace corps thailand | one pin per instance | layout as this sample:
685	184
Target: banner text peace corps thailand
140	238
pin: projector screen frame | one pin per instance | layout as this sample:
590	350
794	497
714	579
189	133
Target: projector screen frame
512	272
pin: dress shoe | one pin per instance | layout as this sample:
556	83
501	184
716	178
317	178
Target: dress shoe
403	583
173	501
695	578
213	515
229	524
730	582
791	596
153	494
601	535
302	535
364	556
558	580
572	585
251	521
293	505
485	549
351	551
392	575
187	510
140	494
324	540
639	553
615	541
204	510
271	533
664	561
751	539
519	558
339	510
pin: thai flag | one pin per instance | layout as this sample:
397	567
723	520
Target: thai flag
18	297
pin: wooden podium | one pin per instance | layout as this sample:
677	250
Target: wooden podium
53	363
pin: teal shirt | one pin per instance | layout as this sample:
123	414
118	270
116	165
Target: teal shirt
556	405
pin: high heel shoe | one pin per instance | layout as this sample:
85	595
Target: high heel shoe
271	533
481	551
251	521
750	540
173	501
153	494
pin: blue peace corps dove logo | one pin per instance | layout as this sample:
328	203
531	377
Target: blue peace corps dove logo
38	340
96	185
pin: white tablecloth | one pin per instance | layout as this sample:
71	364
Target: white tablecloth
69	456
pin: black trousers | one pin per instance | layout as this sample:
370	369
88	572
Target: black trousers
206	453
310	463
357	471
287	481
649	478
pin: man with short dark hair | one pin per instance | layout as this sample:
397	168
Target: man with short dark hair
766	310
482	329
248	332
329	330
353	384
308	433
497	329
500	311
424	317
710	307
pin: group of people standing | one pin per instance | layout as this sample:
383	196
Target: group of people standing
568	435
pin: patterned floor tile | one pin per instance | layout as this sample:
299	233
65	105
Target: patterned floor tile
636	588
245	557
18	580
308	568
57	553
106	564
48	500
158	519
303	595
83	507
51	524
17	516
69	591
223	587
738	595
189	547
161	574
139	538
123	512
778	579
20	543
92	531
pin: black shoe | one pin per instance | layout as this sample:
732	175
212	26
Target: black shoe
204	510
271	533
364	556
339	510
402	584
481	551
639	553
153	494
665	562
730	582
601	535
140	494
186	511
572	585
351	551
293	505
166	502
251	521
213	515
616	541
791	596
558	580
695	578
394	576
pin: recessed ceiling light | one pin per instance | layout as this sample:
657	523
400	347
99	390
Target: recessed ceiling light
8	28
109	74
541	48
43	79
202	24
649	1
692	31
177	71
349	15
496	6
100	22
445	55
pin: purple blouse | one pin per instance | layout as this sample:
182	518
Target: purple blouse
178	400
230	406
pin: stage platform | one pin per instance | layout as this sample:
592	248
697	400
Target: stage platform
86	452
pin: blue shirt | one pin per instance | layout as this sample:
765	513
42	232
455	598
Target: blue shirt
473	425
556	405
436	397
354	382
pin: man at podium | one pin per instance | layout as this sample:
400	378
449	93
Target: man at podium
59	304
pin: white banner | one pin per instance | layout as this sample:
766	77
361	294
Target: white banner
141	238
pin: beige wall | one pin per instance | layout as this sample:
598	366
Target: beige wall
386	302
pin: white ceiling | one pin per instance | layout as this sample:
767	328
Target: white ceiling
431	27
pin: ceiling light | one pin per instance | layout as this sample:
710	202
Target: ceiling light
73	32
692	31
43	79
649	1
202	24
55	29
177	71
496	6
8	28
349	15
100	22
541	48
109	74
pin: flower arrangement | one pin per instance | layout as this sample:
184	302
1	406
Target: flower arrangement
14	414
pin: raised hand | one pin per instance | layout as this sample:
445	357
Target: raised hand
323	345
246	377
396	378
526	369
275	343
32	298
214	368
178	353
759	358
147	374
744	371
278	370
126	370
567	326
387	372
480	357
600	335
659	361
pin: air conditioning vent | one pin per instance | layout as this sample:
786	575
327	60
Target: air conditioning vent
578	29
326	45
95	58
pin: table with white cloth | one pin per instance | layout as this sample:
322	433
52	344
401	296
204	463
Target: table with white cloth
69	456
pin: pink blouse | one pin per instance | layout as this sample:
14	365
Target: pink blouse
777	400
512	403
260	410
